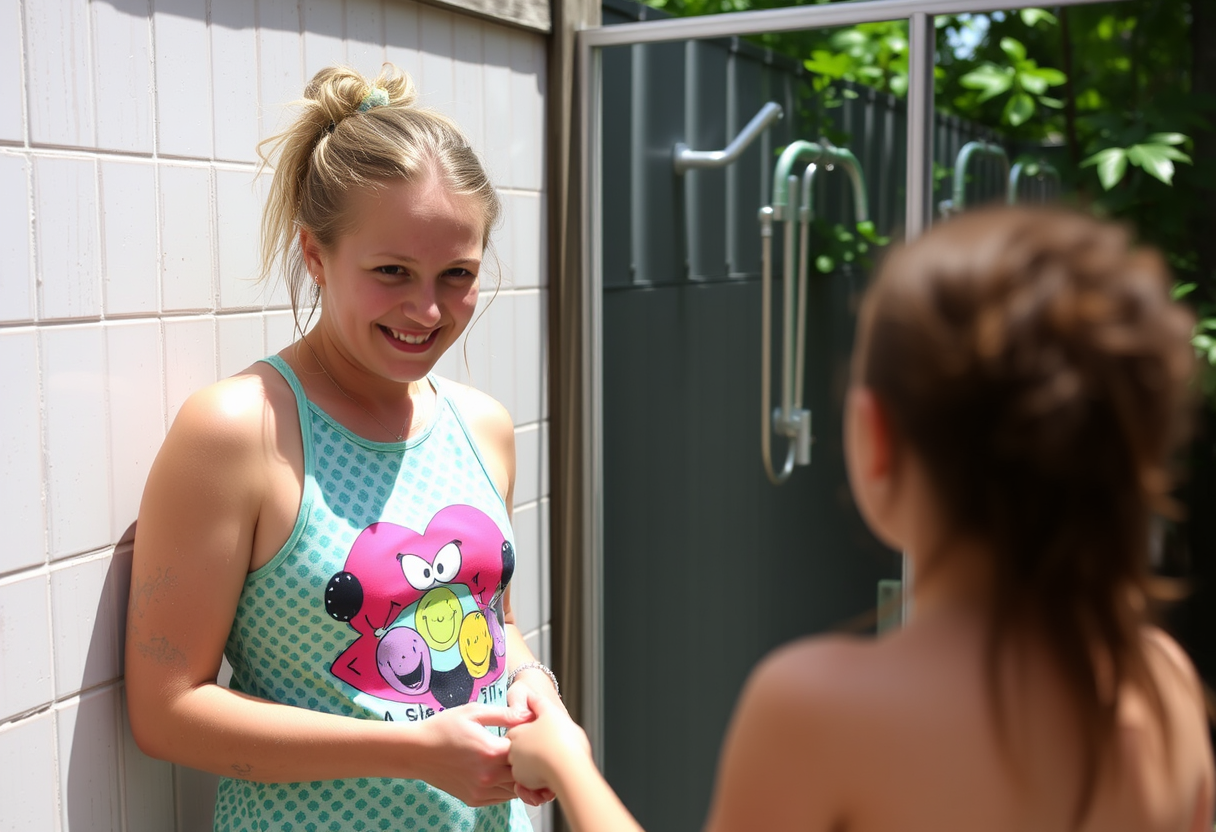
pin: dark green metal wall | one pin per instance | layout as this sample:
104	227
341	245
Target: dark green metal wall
707	565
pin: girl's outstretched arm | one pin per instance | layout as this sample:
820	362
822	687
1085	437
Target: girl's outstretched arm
551	752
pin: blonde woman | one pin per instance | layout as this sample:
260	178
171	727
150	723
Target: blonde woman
336	519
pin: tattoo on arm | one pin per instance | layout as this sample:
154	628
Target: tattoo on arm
242	769
159	650
143	588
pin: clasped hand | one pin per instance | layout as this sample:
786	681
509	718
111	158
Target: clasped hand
480	768
540	744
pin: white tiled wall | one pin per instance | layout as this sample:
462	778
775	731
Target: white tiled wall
128	222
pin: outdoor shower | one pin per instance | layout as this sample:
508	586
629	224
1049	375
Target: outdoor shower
1044	180
791	420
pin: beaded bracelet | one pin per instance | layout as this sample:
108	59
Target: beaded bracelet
534	666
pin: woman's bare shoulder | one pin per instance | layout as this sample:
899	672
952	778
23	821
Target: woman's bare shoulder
232	418
480	410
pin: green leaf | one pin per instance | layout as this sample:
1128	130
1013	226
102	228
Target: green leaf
1014	48
1153	158
991	80
1181	290
1032	83
828	63
1049	76
1111	163
1031	17
824	264
1167	138
1174	153
1053	103
1019	108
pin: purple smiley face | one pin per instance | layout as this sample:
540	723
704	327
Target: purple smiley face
404	660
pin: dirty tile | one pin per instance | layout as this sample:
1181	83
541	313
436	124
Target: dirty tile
68	239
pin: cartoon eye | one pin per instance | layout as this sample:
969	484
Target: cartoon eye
417	571
447	562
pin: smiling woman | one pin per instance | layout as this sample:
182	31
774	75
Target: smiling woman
336	519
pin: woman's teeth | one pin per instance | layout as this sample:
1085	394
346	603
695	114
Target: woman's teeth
409	339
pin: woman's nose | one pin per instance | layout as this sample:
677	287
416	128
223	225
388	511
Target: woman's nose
421	303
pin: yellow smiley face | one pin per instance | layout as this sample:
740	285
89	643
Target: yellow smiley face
438	618
476	644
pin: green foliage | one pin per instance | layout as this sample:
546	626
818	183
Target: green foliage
874	54
1020	81
1103	92
1156	155
1203	338
838	245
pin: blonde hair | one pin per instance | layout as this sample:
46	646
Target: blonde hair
352	134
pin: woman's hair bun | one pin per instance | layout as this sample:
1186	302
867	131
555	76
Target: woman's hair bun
338	91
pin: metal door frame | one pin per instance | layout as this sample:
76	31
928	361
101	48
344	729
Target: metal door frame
921	46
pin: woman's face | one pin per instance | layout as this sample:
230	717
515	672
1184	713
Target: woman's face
401	286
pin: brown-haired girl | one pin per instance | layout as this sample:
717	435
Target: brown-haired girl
1019	382
335	519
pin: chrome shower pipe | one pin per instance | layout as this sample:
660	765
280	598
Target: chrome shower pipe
791	420
956	203
766	353
685	158
1041	172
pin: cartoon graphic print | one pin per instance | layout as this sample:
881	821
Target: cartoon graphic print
476	646
438	617
425	607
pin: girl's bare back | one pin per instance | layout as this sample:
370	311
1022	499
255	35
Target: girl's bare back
899	734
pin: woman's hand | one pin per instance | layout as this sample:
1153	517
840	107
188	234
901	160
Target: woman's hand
466	760
538	748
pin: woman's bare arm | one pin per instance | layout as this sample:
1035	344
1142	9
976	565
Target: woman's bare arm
193	546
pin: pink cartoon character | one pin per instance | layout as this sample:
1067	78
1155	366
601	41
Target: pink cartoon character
389	569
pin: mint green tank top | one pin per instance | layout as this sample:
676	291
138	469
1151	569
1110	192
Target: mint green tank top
384	603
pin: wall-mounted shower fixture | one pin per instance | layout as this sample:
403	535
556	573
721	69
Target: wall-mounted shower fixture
1045	182
957	203
791	420
686	158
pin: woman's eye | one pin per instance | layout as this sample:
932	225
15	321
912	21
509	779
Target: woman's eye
459	274
391	270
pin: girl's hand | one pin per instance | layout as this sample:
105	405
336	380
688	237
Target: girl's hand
538	748
467	761
517	700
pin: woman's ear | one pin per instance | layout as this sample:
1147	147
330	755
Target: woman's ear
310	250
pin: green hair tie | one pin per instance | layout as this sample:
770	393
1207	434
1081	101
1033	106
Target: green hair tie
375	98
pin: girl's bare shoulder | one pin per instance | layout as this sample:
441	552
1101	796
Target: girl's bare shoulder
1173	660
818	676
